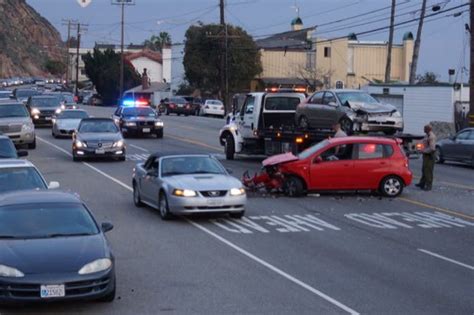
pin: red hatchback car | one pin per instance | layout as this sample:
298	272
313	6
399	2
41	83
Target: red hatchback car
349	163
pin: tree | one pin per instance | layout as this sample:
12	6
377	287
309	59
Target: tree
73	42
156	43
427	78
103	69
203	54
314	77
55	67
388	66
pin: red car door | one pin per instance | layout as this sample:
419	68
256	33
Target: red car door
370	165
332	169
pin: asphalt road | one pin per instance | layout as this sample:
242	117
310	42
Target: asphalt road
328	254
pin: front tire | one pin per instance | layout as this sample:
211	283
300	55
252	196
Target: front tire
391	186
229	147
136	196
32	146
164	207
159	134
293	187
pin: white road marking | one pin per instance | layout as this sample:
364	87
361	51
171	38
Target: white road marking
228	243
139	148
446	258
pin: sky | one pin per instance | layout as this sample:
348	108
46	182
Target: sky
444	41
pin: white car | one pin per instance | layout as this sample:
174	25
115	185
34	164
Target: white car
213	107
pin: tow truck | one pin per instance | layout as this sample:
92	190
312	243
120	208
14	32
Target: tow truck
265	125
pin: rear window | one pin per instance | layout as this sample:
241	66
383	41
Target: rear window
368	151
281	103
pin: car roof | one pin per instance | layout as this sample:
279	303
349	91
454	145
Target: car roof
44	96
4	163
37	196
362	139
9	102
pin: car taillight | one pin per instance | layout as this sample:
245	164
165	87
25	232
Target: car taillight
222	107
188	106
172	105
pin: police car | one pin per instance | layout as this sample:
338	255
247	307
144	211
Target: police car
137	118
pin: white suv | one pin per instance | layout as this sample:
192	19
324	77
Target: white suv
16	123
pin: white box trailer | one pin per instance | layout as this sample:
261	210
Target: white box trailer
421	104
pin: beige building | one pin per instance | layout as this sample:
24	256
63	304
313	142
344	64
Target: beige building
298	59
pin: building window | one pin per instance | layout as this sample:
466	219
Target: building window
327	52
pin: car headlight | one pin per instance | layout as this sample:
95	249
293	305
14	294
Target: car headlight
58	111
63	106
158	124
396	114
80	144
130	124
35	111
96	266
118	144
184	193
237	191
28	127
10	272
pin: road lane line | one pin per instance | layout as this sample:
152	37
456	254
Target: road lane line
446	258
228	243
199	143
274	269
139	148
425	205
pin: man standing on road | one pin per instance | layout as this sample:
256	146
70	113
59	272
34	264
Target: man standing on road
338	132
429	151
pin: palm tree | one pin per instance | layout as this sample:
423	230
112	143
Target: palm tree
156	43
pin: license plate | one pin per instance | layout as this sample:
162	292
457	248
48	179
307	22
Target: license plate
100	151
146	130
214	203
47	118
180	105
51	291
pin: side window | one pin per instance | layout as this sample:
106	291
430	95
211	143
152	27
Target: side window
338	153
317	98
328	98
368	151
152	165
463	135
388	150
248	106
471	136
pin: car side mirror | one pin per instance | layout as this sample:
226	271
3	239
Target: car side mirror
317	160
53	185
22	153
106	227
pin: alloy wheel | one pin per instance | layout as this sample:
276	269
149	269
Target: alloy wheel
392	186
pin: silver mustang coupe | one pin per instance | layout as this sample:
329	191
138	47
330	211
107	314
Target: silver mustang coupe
187	184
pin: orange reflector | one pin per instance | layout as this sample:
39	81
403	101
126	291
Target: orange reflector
278	134
299	140
420	146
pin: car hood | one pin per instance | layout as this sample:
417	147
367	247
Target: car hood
139	118
99	136
56	255
14	120
371	107
68	123
201	182
279	159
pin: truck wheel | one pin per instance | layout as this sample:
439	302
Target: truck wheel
293	187
439	156
304	123
229	147
346	125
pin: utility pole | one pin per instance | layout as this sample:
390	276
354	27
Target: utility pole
471	72
223	67
416	49
388	67
77	58
69	23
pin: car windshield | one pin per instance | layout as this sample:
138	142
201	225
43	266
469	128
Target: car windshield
46	221
20	178
139	111
190	165
98	126
7	149
360	97
26	93
311	150
13	110
73	114
45	102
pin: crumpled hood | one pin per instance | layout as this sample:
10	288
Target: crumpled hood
69	124
279	159
199	182
371	107
99	136
57	255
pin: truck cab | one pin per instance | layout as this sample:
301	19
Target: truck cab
260	112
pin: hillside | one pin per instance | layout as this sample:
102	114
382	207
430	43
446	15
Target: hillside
27	40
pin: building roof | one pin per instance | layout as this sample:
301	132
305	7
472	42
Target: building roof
292	40
154	87
146	53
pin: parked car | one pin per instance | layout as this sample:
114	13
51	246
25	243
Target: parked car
99	138
195	102
21	175
213	107
177	105
355	110
459	148
15	122
138	121
67	121
52	249
347	163
8	150
187	184
42	108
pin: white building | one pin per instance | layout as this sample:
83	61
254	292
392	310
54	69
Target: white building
422	104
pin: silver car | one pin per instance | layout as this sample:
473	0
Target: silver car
459	148
15	122
67	121
187	184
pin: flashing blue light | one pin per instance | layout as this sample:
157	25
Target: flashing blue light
128	103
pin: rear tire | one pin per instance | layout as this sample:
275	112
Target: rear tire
164	207
229	147
293	187
32	146
237	215
391	186
159	134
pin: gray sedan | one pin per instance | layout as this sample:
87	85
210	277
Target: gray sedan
186	184
67	121
458	148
